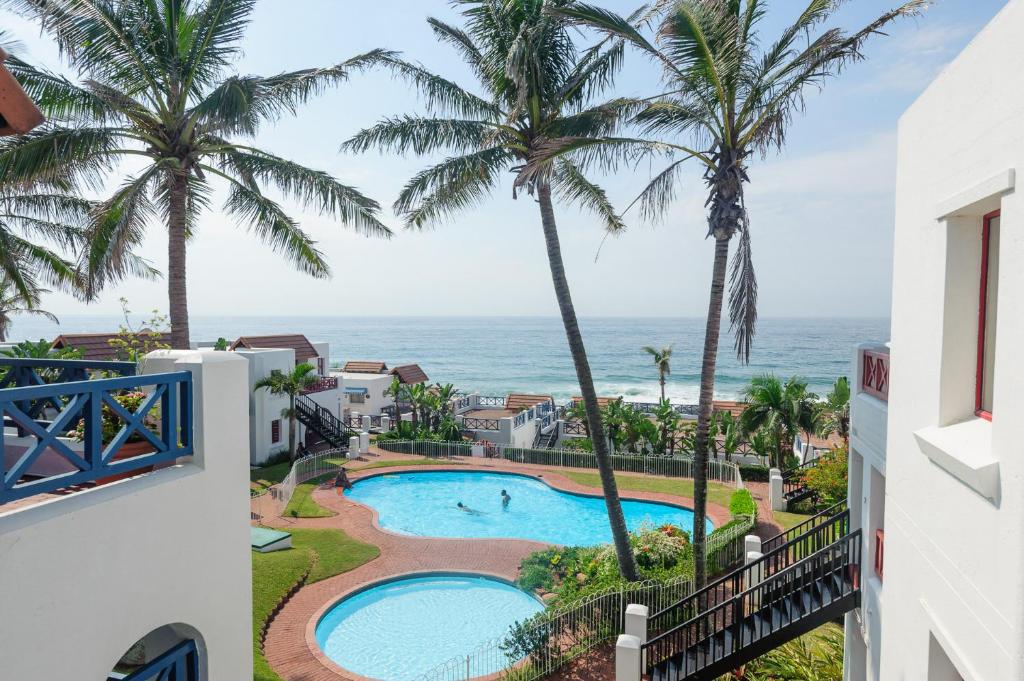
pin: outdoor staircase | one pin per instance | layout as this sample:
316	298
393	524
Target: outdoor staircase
797	585
323	423
547	441
793	487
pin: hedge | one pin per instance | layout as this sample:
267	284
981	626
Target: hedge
742	503
754	473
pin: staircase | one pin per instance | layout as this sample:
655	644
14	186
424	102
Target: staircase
322	422
795	587
547	441
793	487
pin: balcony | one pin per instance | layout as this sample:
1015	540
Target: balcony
70	424
324	383
874	373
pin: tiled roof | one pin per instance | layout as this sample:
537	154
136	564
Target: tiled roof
734	408
602	402
364	367
97	347
520	401
304	350
18	114
410	374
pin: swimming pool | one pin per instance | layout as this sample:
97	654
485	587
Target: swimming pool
401	629
424	503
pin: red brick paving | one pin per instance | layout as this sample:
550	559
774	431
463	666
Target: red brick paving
290	645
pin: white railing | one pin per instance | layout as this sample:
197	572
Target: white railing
543	644
725	546
676	467
304	469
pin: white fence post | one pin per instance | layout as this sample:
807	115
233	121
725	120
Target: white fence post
776	495
353	447
636	623
751	544
364	443
627	658
385	423
366	422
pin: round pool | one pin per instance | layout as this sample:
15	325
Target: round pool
401	629
425	503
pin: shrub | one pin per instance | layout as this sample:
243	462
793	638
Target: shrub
829	477
742	503
754	473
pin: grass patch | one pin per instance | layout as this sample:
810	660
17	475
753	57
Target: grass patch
302	505
717	493
262	478
788	520
324	553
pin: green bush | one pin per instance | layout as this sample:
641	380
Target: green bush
754	473
742	503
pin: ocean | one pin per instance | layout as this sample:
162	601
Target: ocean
498	355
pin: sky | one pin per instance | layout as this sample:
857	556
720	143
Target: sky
821	211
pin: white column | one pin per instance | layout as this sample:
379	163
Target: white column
775	493
385	423
636	622
364	443
505	431
627	658
353	447
753	576
366	422
751	544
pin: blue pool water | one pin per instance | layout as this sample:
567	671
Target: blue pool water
425	504
399	630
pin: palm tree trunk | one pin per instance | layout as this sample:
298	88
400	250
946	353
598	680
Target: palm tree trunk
706	405
177	293
291	429
623	551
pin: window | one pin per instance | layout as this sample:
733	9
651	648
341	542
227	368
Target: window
321	366
357	398
987	315
275	431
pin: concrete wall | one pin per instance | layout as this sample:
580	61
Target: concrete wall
265	407
954	511
376	386
83	577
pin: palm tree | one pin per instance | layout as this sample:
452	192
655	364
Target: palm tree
13	302
291	385
156	88
535	86
782	409
835	411
662	359
729	95
398	391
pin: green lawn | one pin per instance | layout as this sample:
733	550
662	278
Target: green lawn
261	478
324	553
302	505
789	520
717	492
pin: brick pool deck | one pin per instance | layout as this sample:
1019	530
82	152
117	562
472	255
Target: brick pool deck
290	645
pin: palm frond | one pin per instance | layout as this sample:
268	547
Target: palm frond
743	297
574	187
268	221
58	155
460	40
443	96
424	135
213	41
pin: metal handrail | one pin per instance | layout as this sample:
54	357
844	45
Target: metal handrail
810	523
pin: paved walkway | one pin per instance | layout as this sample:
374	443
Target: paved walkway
291	646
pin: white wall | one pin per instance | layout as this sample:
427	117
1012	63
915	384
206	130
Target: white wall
376	386
265	407
83	577
955	531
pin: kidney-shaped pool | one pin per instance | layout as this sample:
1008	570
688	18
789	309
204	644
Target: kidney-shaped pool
426	504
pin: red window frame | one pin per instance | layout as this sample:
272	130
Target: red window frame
979	382
879	553
275	431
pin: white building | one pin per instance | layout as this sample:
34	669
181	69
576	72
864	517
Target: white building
96	582
944	485
366	386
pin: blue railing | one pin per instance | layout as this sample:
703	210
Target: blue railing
41	457
180	663
20	373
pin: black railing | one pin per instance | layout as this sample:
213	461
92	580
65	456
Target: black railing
472	423
574	428
779	558
322	422
794	485
751	621
788	535
357	421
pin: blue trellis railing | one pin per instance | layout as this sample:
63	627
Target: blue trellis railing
162	422
180	663
19	373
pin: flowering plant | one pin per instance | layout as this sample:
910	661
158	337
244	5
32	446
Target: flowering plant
112	423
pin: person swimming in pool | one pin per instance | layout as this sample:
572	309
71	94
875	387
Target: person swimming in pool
466	509
505	499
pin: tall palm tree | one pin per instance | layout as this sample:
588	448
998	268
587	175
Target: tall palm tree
782	409
156	88
12	302
662	360
289	385
835	411
728	95
535	85
397	391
